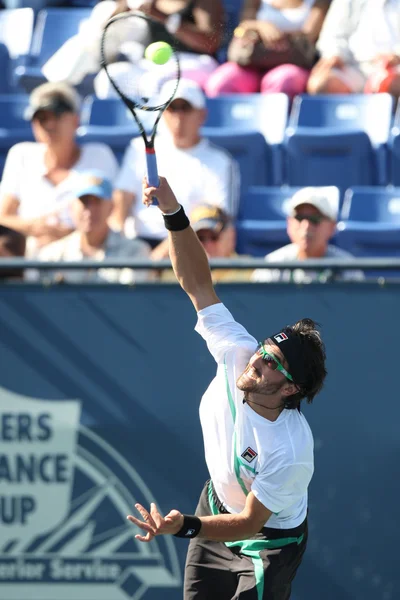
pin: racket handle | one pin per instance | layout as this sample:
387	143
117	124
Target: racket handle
152	172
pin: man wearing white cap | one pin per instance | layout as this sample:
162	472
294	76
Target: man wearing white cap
199	172
311	223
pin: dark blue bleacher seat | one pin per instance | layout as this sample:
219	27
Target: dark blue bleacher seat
35	5
13	127
338	140
5	70
394	149
261	223
54	26
263	113
248	148
370	222
251	128
395	158
107	121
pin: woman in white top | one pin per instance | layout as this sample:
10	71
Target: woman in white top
271	19
360	49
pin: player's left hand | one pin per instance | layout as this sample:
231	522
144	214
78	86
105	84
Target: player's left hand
167	201
155	524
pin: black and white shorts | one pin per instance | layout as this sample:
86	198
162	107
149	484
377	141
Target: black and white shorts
262	568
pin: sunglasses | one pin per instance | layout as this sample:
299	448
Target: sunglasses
185	107
272	361
313	219
208	237
44	116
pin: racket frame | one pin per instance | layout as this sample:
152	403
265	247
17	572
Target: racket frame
151	159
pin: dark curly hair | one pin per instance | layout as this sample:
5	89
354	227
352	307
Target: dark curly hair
314	357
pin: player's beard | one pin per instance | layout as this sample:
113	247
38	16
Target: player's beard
251	386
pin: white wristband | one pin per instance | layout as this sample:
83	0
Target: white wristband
173	213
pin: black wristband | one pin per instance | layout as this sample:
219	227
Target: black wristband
190	528
176	222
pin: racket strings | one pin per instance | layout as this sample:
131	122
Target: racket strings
138	80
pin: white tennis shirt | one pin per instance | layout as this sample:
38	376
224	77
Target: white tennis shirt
244	451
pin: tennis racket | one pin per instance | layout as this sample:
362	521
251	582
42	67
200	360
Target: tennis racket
137	89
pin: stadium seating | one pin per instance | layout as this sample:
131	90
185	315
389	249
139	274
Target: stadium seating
261	223
366	112
394	148
395	159
265	113
338	140
54	26
5	69
13	127
370	222
107	121
250	151
35	5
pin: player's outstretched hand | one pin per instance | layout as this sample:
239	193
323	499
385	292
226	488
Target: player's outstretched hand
167	202
154	523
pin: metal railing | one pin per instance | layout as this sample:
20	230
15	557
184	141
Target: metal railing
363	264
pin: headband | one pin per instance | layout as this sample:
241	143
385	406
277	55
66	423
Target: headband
292	349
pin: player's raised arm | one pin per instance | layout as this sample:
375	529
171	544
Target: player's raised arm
188	258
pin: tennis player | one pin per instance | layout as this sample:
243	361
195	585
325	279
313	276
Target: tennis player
249	533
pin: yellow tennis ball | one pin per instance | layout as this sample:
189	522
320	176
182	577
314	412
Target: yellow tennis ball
159	53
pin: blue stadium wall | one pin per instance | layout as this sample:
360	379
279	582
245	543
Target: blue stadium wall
100	388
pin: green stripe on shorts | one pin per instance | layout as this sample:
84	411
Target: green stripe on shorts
252	548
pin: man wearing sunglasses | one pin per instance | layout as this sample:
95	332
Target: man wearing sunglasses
311	223
217	234
249	533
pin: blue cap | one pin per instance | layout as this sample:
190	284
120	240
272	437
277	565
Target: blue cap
95	185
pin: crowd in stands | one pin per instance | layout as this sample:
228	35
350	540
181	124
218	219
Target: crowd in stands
66	199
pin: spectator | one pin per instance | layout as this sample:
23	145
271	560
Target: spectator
269	21
195	30
210	172
12	244
360	41
217	234
39	176
93	239
313	214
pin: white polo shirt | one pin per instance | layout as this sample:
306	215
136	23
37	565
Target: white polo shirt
244	451
289	253
24	177
116	246
203	174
